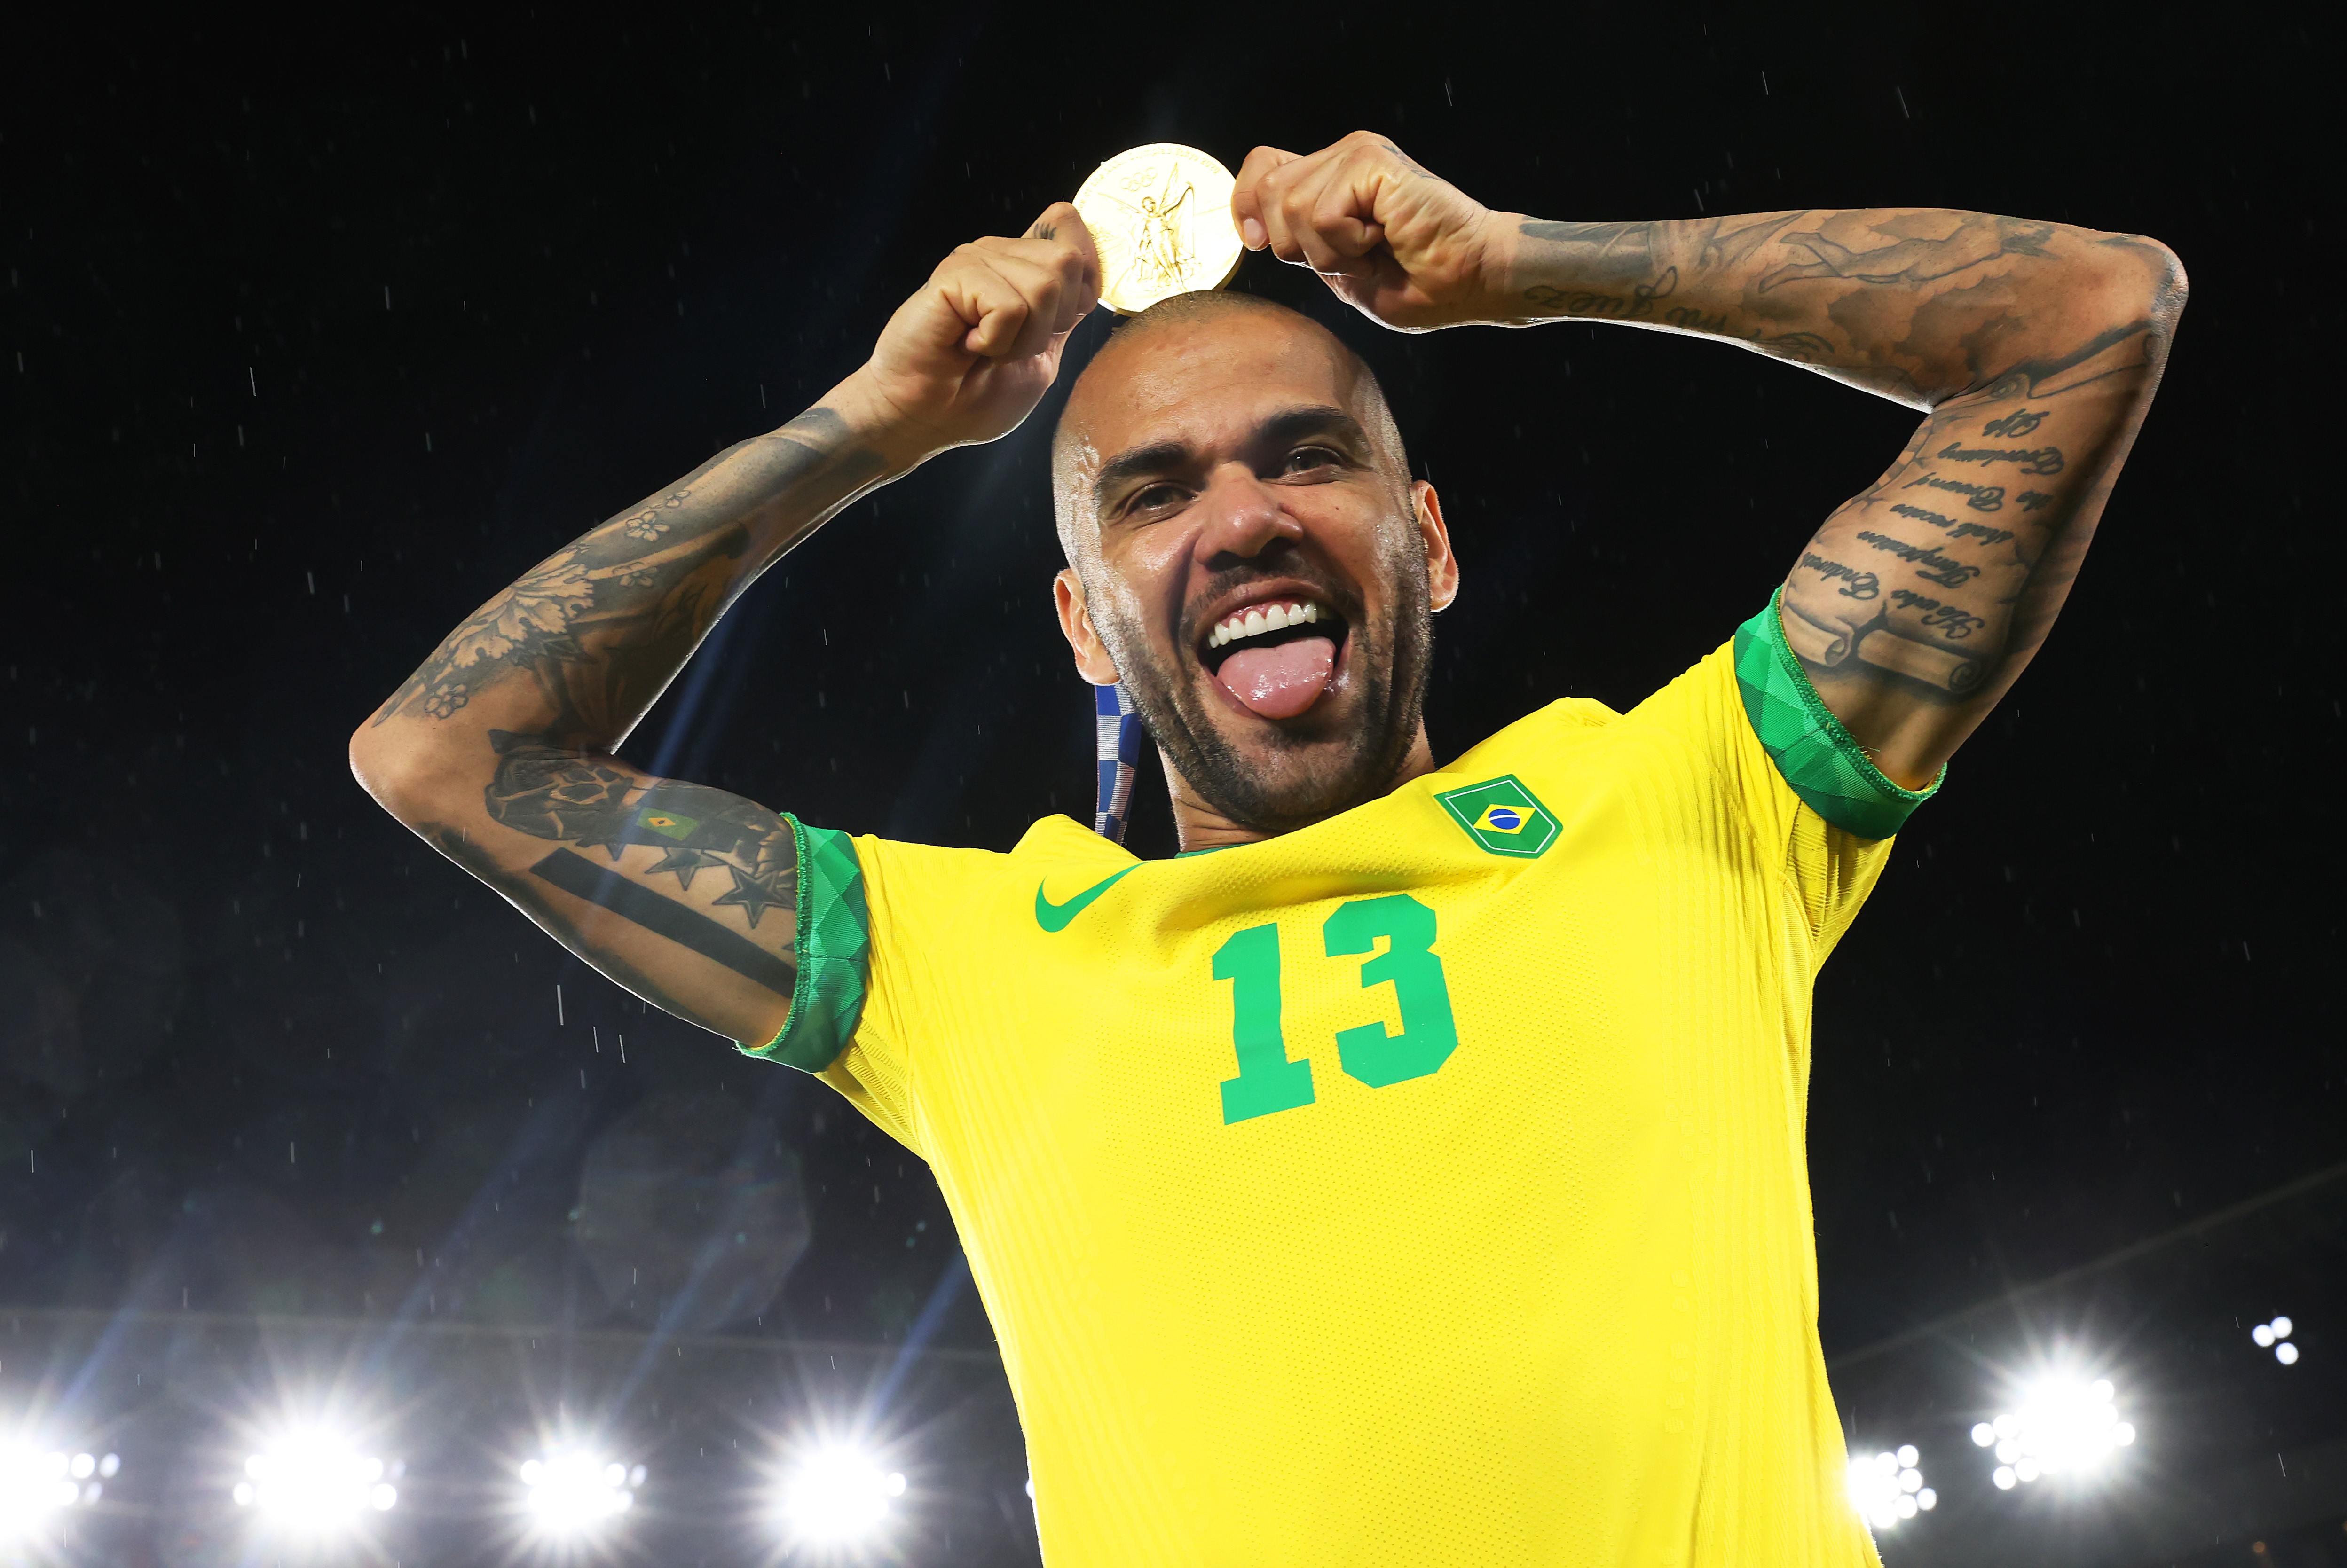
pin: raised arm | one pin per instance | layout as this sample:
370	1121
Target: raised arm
2035	347
499	749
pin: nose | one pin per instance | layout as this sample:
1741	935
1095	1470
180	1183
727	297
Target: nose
1243	517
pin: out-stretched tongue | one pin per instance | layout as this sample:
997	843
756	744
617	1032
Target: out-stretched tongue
1280	682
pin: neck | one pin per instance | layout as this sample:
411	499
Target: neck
1201	825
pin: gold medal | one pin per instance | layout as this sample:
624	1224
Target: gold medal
1161	217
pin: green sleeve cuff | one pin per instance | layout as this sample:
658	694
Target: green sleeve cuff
834	953
1819	761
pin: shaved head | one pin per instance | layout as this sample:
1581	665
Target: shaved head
1136	338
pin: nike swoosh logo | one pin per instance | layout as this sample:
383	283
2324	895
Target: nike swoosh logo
1055	917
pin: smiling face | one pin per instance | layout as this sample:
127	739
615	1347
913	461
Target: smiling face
1251	557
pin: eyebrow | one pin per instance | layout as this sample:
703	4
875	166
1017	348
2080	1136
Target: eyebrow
1287	426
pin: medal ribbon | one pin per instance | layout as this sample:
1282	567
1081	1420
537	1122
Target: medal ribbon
1116	735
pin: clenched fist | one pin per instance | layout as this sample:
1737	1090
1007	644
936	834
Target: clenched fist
1399	244
974	350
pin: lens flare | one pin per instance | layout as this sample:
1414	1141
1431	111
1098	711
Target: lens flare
1889	1487
2064	1425
575	1491
838	1494
36	1480
316	1481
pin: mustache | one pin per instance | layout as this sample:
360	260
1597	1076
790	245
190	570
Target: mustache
1335	595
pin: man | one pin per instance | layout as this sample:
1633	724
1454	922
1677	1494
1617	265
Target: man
1419	1179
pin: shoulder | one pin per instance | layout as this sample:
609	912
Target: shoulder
1566	723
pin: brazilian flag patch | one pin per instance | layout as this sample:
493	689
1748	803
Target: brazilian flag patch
1503	816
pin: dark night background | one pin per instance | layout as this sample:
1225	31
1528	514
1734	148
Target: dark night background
312	343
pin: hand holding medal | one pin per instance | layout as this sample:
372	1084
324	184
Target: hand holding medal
1161	217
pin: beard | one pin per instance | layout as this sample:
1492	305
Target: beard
1299	774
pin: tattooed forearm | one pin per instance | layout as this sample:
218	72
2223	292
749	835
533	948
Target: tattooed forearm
1917	303
600	627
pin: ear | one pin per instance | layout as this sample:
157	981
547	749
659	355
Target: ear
1441	565
1092	662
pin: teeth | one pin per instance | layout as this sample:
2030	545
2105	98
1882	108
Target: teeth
1261	619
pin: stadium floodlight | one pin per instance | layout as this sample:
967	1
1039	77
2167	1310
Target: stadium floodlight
316	1480
36	1480
573	1491
2065	1425
2275	1337
838	1494
1889	1487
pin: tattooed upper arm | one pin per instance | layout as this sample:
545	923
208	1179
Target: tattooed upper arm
1921	600
687	896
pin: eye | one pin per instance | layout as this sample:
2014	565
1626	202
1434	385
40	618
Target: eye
1153	496
1307	459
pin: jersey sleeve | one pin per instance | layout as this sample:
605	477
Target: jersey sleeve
1798	777
877	956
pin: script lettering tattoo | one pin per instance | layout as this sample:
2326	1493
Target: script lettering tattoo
2032	460
1937	567
1978	498
1920	514
1044	232
1981	531
2014	425
1952	621
1687	318
1636	305
2030	500
1856	584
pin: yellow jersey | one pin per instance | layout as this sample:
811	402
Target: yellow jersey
1424	1186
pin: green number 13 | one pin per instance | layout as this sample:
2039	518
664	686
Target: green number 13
1268	1081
